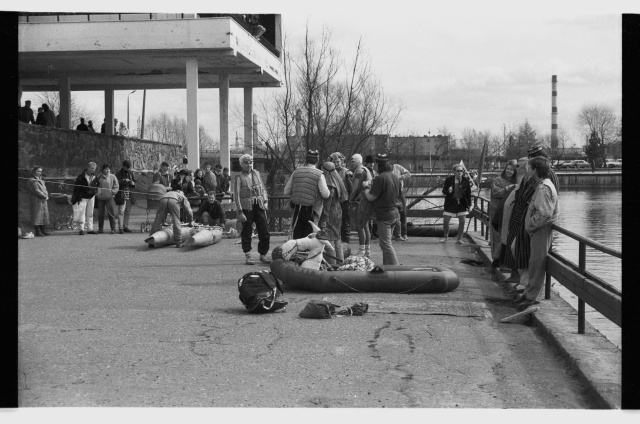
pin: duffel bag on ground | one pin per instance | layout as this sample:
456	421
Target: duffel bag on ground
260	292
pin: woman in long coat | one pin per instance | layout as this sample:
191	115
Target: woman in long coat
501	187
331	218
38	197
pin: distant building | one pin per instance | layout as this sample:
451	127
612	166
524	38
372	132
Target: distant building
416	153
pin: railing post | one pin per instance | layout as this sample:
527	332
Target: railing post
486	234
582	262
481	222
475	220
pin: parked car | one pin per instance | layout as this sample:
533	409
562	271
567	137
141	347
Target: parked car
575	164
614	163
556	164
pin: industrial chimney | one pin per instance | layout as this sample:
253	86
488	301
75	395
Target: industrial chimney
554	114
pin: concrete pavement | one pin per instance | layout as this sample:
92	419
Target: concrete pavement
106	321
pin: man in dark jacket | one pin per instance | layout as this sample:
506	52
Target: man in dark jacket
127	182
82	126
26	113
210	212
84	195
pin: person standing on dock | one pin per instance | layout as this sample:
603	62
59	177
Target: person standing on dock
541	214
384	193
501	187
331	218
400	230
457	201
251	205
521	172
338	160
307	189
518	243
361	207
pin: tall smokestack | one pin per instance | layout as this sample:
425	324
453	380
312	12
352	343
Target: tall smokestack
554	114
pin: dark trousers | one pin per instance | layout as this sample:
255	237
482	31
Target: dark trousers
110	206
301	216
345	230
258	216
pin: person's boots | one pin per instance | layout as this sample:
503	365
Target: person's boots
248	260
42	230
37	231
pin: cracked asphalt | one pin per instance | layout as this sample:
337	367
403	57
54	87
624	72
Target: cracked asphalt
106	321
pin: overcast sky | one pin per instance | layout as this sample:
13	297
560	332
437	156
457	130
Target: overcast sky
463	66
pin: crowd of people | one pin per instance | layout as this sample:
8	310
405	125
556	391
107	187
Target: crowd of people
336	197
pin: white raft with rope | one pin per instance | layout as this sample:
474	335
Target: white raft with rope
206	236
382	279
164	236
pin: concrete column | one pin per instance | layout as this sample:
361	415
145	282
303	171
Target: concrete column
20	95
193	139
225	153
248	126
65	102
108	112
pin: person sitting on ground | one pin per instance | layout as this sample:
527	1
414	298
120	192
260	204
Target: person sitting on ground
457	202
82	126
384	193
38	197
331	218
307	251
171	203
210	212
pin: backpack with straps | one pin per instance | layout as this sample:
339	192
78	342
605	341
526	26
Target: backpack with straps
260	292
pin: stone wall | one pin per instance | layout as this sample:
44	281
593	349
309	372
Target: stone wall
64	153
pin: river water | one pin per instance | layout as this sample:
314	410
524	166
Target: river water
595	213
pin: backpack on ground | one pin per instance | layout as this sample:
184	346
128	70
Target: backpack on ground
260	292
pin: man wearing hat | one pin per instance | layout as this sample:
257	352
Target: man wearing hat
385	192
339	161
251	206
518	240
307	188
126	182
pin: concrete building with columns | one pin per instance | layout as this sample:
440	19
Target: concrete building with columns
67	52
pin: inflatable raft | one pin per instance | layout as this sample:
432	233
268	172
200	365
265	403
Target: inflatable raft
383	279
164	236
205	236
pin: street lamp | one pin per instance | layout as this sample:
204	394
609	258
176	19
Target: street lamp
128	127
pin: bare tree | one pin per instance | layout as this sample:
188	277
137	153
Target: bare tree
78	109
166	129
602	120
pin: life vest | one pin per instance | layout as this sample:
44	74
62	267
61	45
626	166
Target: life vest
251	189
304	187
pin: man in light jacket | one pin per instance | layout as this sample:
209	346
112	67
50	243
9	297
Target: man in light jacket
107	185
171	203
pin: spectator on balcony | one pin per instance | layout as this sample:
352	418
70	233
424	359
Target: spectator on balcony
209	181
40	119
90	127
26	113
49	116
123	131
82	126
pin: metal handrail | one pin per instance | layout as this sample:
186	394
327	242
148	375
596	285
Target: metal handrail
589	289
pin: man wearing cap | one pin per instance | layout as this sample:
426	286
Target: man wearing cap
362	208
209	181
384	192
126	181
210	212
338	160
171	203
518	240
251	206
307	189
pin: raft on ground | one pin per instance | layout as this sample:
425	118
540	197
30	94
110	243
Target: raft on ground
164	236
205	236
383	279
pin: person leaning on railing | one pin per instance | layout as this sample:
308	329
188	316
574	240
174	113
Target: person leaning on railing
541	214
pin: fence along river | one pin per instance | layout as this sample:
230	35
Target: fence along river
592	212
